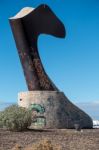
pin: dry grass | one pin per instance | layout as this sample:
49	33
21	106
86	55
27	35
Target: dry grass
17	147
42	145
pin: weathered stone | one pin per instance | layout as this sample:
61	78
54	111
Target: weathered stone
59	111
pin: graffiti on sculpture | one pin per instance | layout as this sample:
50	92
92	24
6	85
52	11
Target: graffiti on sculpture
38	118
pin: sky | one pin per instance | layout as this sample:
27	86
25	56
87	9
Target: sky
72	63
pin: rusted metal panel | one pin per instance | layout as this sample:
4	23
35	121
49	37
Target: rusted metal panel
26	31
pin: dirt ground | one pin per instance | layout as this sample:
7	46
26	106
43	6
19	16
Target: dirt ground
87	139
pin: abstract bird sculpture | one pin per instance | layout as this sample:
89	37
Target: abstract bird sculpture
58	112
26	30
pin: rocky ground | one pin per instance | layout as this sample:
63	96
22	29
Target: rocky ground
87	139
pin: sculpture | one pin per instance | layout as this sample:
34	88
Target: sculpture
26	31
59	112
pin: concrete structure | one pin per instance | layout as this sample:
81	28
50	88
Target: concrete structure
59	111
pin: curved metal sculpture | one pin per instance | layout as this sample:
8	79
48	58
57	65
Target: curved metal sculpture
58	110
26	30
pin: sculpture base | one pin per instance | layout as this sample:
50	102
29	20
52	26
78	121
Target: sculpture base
52	109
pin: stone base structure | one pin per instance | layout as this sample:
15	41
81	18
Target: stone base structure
52	109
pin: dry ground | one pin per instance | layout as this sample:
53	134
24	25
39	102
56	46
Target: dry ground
68	139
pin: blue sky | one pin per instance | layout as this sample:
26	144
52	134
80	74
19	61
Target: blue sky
72	63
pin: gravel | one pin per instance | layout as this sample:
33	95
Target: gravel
68	139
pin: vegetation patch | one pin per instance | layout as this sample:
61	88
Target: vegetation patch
15	118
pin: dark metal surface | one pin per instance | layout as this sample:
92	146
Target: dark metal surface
26	31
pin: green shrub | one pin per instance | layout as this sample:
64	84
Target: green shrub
1	119
16	118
